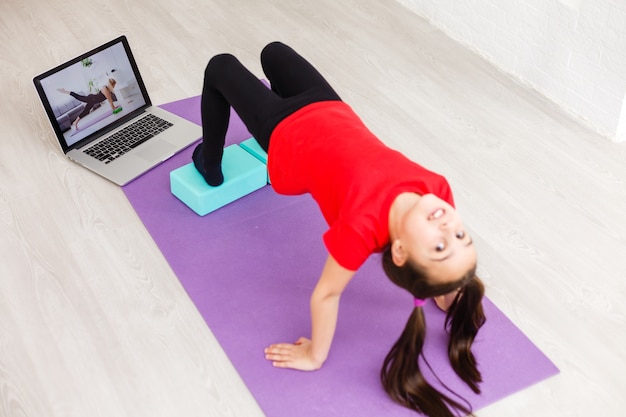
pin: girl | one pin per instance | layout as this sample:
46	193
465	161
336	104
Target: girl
105	93
373	198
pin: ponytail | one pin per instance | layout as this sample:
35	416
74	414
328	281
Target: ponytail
400	375
464	318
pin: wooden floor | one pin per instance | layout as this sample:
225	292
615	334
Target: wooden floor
94	323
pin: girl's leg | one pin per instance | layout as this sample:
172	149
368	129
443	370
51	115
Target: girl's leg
87	109
295	84
291	75
228	83
84	99
91	100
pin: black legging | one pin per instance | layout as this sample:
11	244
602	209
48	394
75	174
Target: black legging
294	81
91	100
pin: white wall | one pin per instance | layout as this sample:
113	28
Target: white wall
572	51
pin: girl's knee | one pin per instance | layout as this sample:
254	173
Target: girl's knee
272	48
219	64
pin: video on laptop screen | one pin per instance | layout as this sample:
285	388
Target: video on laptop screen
92	93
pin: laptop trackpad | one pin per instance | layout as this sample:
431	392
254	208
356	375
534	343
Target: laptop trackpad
157	151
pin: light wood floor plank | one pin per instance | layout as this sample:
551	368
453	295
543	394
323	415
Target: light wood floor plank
92	319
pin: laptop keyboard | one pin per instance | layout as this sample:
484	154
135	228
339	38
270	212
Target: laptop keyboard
128	138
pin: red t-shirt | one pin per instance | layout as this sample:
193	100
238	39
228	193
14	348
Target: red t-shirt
325	149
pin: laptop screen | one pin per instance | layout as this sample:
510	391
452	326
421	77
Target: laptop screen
92	94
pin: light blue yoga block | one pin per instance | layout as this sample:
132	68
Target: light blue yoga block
243	174
253	147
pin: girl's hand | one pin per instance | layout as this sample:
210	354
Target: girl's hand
294	356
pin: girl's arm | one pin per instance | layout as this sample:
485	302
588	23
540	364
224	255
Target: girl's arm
309	355
107	94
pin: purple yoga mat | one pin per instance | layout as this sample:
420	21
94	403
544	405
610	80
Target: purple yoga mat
250	268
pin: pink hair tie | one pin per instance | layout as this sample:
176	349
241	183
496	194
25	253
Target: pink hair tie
419	302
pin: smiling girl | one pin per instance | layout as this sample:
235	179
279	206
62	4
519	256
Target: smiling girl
373	198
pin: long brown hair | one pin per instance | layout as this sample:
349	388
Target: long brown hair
400	374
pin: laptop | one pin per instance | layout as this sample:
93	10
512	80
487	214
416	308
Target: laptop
103	118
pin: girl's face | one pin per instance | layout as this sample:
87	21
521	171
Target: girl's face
433	237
